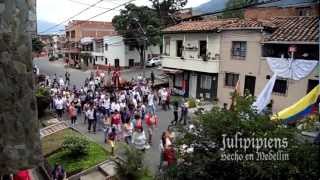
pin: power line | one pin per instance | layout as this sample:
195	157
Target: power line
111	9
86	4
68	19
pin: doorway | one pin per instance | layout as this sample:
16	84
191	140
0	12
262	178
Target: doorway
131	62
250	84
116	63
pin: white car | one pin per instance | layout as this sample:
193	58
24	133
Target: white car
153	62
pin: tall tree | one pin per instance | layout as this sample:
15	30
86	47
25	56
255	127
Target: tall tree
139	26
236	4
37	45
166	10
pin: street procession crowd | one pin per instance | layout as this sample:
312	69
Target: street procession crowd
123	111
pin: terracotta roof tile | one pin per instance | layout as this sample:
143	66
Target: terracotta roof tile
196	26
299	28
218	25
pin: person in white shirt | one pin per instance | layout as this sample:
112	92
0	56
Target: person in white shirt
106	105
151	106
139	139
59	105
91	119
61	82
115	106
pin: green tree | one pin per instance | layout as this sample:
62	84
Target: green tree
37	45
139	26
206	139
166	9
236	4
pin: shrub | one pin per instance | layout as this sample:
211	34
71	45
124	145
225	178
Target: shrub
192	103
131	167
76	146
43	100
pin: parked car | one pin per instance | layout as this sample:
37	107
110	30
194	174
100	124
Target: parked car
155	61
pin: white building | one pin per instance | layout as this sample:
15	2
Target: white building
117	53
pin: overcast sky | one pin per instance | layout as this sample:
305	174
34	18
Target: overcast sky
59	10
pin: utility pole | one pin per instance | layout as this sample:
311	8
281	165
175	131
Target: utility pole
144	45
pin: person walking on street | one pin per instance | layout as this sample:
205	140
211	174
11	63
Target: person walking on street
72	114
184	113
175	113
90	115
152	122
67	78
59	104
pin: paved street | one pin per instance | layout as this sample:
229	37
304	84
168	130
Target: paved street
152	156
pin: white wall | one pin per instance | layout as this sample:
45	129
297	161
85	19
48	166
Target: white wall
192	61
116	50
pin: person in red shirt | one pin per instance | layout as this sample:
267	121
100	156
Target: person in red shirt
22	175
170	155
72	114
152	122
116	122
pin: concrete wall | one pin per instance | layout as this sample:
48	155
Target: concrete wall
254	65
192	61
116	50
19	137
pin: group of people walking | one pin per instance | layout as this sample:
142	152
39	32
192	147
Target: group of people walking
128	114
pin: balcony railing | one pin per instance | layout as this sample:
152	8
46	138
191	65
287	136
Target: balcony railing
196	64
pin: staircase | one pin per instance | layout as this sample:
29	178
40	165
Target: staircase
52	129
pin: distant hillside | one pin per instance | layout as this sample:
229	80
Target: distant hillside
211	6
218	5
43	25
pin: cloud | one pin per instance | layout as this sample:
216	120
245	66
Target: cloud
56	11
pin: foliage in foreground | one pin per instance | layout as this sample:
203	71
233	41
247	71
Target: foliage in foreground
131	167
72	165
207	140
76	146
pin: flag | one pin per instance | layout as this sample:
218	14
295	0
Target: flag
302	108
265	96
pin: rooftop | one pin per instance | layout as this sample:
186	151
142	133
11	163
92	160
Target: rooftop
218	25
295	29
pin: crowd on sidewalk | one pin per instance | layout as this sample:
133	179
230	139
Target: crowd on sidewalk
127	114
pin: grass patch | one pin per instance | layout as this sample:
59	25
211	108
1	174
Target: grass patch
96	154
54	141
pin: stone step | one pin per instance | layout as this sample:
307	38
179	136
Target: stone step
53	129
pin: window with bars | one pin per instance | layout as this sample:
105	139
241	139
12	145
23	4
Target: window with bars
231	79
239	50
280	87
205	82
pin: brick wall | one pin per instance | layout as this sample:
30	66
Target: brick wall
270	12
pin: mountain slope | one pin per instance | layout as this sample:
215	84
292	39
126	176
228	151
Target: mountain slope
43	25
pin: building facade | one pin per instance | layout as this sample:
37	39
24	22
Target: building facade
283	8
118	54
77	30
238	50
